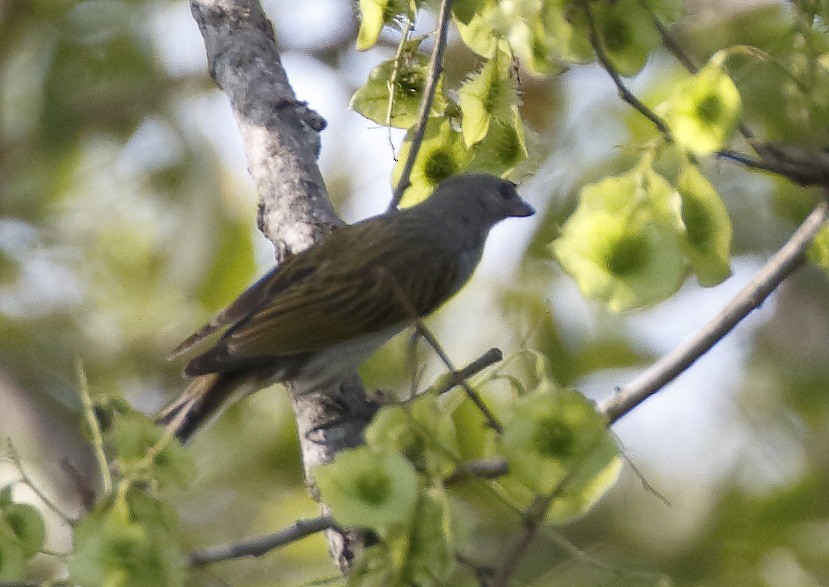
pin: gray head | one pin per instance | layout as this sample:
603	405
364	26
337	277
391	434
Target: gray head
479	198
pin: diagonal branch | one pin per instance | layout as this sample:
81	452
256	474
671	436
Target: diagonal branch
624	93
259	546
780	266
435	69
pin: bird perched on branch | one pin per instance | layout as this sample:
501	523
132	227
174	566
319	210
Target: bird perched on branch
322	312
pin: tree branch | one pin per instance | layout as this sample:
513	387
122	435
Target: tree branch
281	141
259	546
786	260
435	69
624	93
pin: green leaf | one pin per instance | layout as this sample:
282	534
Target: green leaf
490	93
6	498
555	440
707	227
374	567
503	147
112	550
442	154
420	430
622	244
372	100
429	558
233	262
627	33
136	437
371	23
818	252
12	555
368	488
464	10
478	33
553	38
703	110
373	15
26	522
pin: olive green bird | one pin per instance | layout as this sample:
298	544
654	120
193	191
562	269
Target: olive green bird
322	312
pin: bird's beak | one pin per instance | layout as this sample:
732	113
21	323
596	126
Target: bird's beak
519	208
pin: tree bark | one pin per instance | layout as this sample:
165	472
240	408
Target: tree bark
281	142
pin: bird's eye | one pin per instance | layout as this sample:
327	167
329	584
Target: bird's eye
508	191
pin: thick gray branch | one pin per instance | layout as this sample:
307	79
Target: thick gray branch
281	141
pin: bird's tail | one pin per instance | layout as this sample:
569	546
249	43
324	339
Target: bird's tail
204	398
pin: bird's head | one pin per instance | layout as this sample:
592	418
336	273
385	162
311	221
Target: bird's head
480	199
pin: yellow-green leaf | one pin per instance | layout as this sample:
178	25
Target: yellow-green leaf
819	250
442	154
488	94
373	99
707	227
368	488
703	110
555	441
622	244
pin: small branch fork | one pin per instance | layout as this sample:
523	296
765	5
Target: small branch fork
259	546
302	528
804	167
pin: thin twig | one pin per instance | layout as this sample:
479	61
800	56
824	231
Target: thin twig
452	379
395	73
492	421
478	469
259	546
786	260
533	518
675	47
624	92
14	457
427	335
435	69
94	428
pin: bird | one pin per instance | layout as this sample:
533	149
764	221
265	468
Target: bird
322	312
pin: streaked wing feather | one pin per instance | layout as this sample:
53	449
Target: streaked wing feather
278	278
316	314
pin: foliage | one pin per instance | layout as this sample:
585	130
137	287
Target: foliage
93	260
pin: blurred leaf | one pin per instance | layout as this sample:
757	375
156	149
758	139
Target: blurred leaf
703	111
555	441
420	430
142	450
621	244
627	33
111	549
372	99
233	263
819	251
442	154
369	488
707	227
26	522
12	555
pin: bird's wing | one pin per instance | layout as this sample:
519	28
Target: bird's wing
287	273
334	305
